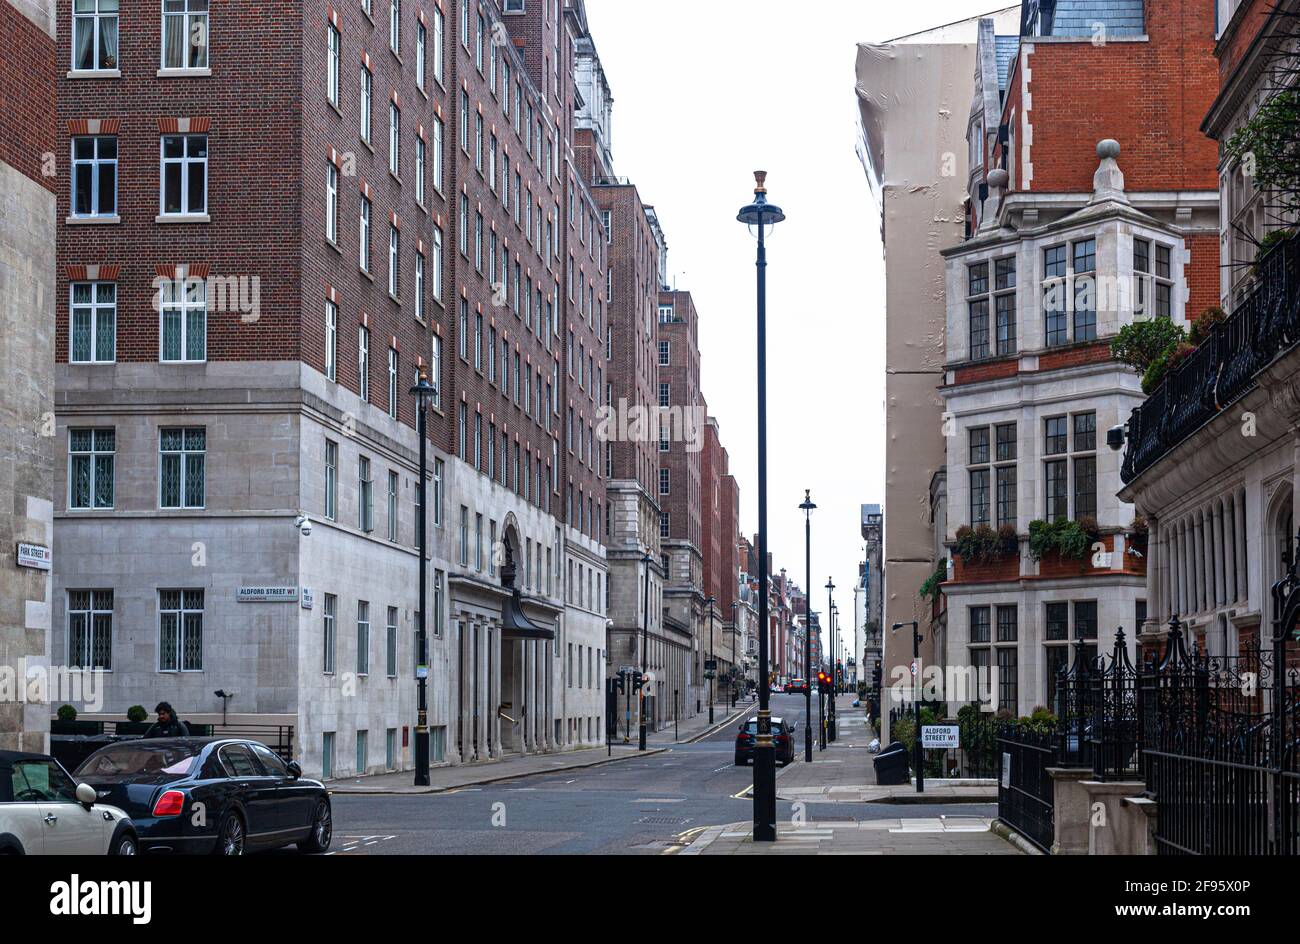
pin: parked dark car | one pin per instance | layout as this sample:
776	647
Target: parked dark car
796	686
782	740
210	795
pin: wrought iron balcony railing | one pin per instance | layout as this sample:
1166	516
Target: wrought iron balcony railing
1224	367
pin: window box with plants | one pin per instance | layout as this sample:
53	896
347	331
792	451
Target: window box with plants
1065	545
982	553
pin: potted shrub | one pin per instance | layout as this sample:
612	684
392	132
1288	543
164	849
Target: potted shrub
137	721
66	722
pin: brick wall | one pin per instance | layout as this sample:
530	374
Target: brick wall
27	71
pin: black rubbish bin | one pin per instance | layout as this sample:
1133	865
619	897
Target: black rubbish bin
891	765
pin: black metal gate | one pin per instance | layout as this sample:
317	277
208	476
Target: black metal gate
1026	799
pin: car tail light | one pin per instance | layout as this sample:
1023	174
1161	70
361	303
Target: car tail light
170	803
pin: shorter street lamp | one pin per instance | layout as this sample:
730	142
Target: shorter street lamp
830	639
807	507
916	701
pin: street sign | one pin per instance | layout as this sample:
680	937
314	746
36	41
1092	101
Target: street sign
1006	770
34	556
266	594
710	665
940	736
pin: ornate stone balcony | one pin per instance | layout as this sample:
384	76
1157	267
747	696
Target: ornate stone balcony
1224	367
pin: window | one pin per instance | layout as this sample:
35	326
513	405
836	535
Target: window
979	624
1008	679
93	323
180	630
998	469
392	505
184	319
1070	290
363	638
663	354
419	285
331	479
331	340
394	139
393	240
363	242
329	634
395	25
1006	624
663	482
185	34
91	467
365	496
94	34
181	466
332	203
1149	283
1058	622
664	398
1085	619
437	492
1057	433
419	170
184	174
464	536
435	372
90	629
94	176
439	581
1004	303
478	543
437	154
439	34
363	363
977	282
367	103
663	525
390	649
437	264
333	42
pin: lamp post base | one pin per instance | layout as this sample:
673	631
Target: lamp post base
764	792
421	755
641	737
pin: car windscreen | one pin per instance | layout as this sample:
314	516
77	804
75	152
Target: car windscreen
778	727
137	758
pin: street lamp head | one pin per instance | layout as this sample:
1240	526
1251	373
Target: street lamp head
423	389
830	584
807	507
760	213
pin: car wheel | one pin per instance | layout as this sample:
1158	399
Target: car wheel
230	835
125	842
322	830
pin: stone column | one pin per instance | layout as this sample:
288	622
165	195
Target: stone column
1220	581
494	691
1243	586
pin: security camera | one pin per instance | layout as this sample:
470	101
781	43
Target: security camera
1116	435
303	524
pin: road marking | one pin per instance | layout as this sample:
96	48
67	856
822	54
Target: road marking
660	800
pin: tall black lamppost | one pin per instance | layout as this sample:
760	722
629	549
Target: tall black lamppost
713	672
735	660
830	646
423	391
759	215
807	508
646	561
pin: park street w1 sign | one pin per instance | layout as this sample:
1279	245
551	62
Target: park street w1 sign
940	736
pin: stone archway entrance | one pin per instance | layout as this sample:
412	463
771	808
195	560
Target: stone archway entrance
525	657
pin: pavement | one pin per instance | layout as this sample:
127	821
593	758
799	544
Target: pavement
512	767
843	774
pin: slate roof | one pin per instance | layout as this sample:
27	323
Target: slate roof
1076	17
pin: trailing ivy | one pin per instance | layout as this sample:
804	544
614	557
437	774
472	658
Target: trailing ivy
930	589
983	545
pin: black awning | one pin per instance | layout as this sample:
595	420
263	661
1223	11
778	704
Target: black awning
515	624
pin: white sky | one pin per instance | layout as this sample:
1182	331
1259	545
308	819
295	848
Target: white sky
694	116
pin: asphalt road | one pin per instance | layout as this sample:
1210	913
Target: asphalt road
635	806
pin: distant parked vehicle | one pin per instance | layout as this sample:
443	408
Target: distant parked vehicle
211	795
782	740
796	686
43	811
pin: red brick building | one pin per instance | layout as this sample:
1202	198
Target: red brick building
1092	205
274	221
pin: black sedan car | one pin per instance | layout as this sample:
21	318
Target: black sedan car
210	795
782	741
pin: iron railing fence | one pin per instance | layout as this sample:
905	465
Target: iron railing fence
1026	792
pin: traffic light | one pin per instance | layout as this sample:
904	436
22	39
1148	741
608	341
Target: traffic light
637	680
618	683
823	682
